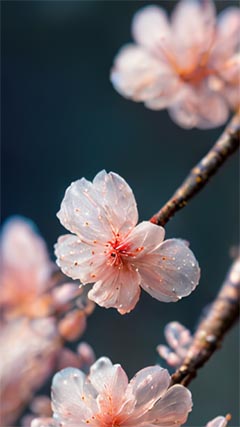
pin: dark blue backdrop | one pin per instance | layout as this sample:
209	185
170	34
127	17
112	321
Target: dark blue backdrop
61	120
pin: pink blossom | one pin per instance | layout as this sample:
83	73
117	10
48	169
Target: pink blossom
25	270
189	65
105	398
28	353
108	249
179	340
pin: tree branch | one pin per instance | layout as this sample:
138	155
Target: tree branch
208	337
199	176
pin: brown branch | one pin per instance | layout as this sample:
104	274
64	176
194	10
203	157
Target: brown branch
208	337
202	172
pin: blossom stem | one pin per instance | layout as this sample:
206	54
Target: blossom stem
221	316
199	176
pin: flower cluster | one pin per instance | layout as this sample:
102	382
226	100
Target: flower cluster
110	250
37	317
190	65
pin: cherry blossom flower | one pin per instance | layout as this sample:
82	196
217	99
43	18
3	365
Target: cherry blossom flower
28	353
189	65
106	398
108	249
179	340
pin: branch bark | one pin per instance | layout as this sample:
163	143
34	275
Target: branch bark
199	176
208	337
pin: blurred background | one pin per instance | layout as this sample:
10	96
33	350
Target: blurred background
62	120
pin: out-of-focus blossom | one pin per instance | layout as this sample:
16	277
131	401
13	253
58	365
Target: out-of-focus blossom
106	398
190	64
25	270
39	312
109	249
219	421
30	284
28	354
179	340
82	359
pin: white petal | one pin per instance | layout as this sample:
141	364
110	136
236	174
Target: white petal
79	260
172	409
170	273
118	201
145	238
73	401
81	212
151	29
217	422
138	75
111	382
119	289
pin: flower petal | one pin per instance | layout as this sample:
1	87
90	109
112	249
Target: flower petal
98	208
139	76
193	24
119	289
217	422
151	29
118	201
172	409
145	238
227	37
79	260
111	382
148	385
73	401
170	273
201	108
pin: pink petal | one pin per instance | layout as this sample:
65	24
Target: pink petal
73	401
92	209
118	201
79	260
170	273
172	409
217	422
138	75
19	245
151	29
227	37
193	24
119	289
202	108
111	382
145	237
147	386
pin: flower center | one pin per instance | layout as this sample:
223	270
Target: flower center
120	252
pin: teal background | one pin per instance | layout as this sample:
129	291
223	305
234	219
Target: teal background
62	119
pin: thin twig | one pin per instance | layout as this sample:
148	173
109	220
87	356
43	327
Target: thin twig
208	337
199	176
